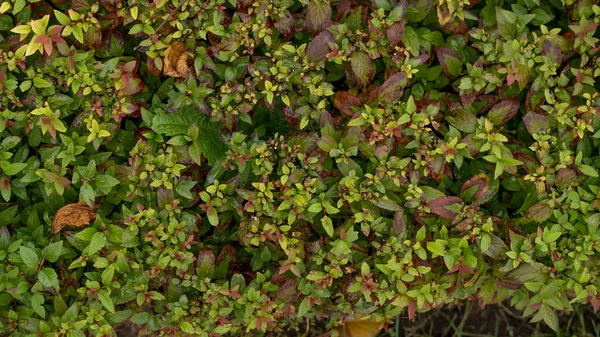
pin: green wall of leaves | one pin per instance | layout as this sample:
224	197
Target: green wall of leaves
254	163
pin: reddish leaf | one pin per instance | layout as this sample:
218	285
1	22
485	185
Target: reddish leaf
345	101
395	33
318	16
412	310
318	48
55	34
595	303
439	206
42	39
503	111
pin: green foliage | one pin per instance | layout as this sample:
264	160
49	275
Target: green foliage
252	164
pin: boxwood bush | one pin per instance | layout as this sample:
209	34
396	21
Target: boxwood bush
222	167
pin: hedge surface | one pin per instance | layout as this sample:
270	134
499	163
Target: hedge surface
226	167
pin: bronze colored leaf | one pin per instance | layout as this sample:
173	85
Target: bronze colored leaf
72	215
444	15
175	61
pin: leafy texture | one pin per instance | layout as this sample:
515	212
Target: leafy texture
246	167
208	141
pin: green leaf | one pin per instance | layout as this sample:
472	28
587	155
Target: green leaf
213	216
195	152
327	225
436	248
36	304
184	187
315	208
105	183
187	327
6	22
78	33
18	6
486	242
588	171
86	193
106	301
398	13
29	257
11	169
48	278
62	18
209	142
387	204
507	23
303	308
53	251
39	26
41	83
8	216
140	318
107	275
98	241
451	62
548	315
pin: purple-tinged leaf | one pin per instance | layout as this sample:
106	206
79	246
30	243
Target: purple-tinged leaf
551	49
536	123
395	33
392	88
318	48
318	16
440	206
503	111
399	224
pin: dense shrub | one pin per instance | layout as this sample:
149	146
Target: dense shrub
221	167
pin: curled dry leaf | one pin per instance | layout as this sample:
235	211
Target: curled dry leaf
175	61
72	215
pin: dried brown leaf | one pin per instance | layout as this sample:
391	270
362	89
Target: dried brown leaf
175	60
72	215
